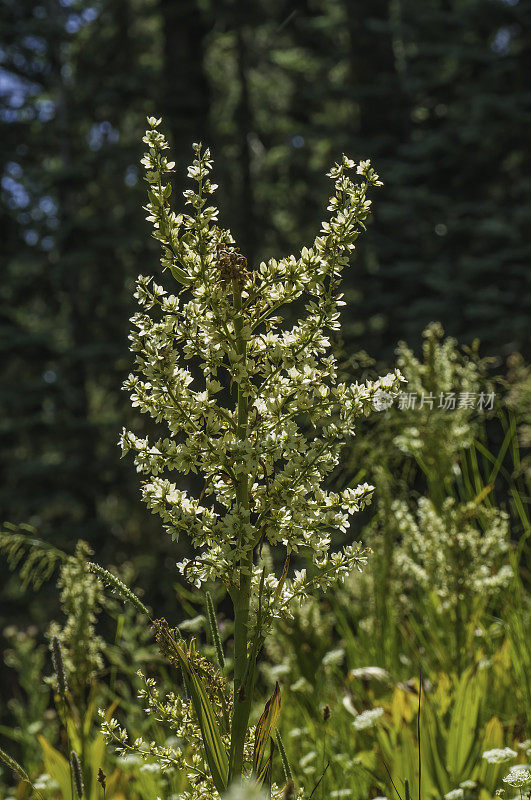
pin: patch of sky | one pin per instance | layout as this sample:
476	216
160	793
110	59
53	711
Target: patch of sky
131	175
102	133
35	43
13	89
73	23
16	195
503	37
89	14
47	242
45	109
77	21
14	93
48	205
31	237
13	169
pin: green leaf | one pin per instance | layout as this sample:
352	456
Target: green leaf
265	728
433	747
280	584
464	723
215	751
265	774
180	275
56	766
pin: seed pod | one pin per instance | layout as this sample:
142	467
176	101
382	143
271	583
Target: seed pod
14	766
289	791
77	775
102	778
59	666
118	586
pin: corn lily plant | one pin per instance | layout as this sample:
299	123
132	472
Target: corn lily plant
252	405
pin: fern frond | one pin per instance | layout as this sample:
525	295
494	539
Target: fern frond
35	558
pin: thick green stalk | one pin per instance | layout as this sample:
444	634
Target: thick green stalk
243	687
243	679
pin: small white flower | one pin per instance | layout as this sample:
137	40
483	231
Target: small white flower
382	400
519	777
455	794
499	755
245	790
307	759
368	718
150	768
526	747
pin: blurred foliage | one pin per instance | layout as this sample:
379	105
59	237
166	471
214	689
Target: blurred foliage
443	604
42	726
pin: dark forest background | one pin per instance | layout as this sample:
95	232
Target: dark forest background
436	92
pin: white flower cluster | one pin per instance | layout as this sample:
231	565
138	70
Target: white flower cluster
252	404
459	793
455	794
458	553
499	755
368	719
183	751
519	777
445	378
246	790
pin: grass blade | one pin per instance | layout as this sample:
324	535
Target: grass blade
215	751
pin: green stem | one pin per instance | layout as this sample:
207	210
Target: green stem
243	677
459	636
243	683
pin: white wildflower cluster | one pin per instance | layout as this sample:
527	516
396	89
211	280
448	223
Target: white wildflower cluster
246	790
499	755
459	793
249	789
526	747
428	432
519	777
368	719
183	751
81	598
310	627
455	794
457	553
252	404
